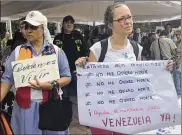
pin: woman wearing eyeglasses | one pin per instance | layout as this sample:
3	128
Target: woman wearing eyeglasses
25	115
119	19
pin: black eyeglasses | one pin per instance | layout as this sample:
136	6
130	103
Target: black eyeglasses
123	19
28	26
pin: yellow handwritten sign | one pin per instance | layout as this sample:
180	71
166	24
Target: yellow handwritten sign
43	68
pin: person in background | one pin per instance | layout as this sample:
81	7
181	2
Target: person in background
158	32
163	48
25	115
137	36
73	45
146	54
178	62
170	33
86	35
93	38
5	39
18	39
130	36
6	51
119	19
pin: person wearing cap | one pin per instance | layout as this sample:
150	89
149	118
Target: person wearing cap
25	115
72	43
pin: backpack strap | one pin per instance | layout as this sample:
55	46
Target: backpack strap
104	46
135	48
160	50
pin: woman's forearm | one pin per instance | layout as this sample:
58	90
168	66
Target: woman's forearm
5	87
64	81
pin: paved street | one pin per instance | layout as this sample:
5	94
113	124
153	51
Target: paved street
75	127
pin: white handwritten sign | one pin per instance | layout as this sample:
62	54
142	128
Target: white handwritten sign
43	68
128	97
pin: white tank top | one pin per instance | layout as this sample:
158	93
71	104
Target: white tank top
113	55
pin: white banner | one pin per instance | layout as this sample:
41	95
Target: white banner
128	98
43	68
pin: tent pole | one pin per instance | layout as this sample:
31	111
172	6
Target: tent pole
94	23
9	28
58	27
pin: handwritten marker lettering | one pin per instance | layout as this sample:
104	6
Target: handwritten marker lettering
143	80
92	66
100	93
151	108
88	85
126	90
111	83
110	73
126	100
144	89
89	75
141	72
100	102
112	101
126	121
87	94
99	113
125	81
88	103
124	72
165	117
146	98
100	83
99	74
111	92
89	112
132	65
119	65
103	66
20	67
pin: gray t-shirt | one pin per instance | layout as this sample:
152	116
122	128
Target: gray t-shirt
166	45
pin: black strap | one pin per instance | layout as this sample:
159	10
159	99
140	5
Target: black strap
135	48
160	50
104	46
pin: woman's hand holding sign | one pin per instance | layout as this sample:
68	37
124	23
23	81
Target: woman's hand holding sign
83	60
36	84
169	66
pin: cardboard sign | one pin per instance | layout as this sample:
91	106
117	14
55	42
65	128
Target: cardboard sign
128	98
43	68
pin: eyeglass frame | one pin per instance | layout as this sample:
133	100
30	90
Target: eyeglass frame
125	18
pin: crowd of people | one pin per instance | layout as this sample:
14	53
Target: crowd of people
33	36
164	44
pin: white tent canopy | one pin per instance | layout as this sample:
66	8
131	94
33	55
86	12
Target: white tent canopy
87	10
